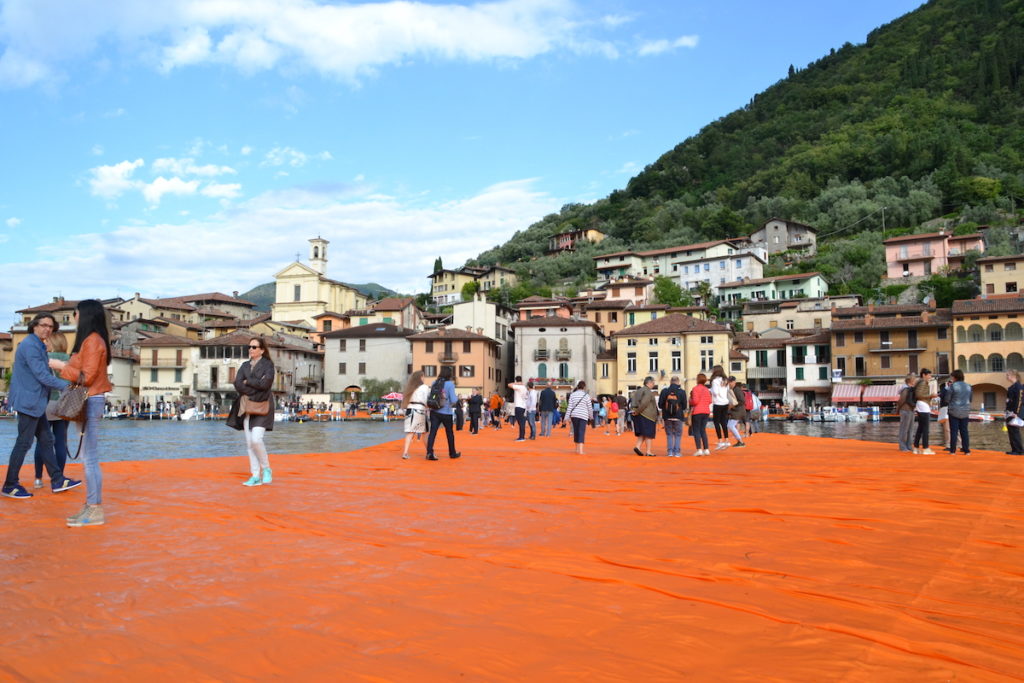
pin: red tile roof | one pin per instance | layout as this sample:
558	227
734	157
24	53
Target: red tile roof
674	323
1009	304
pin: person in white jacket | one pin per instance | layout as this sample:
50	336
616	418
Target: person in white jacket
720	406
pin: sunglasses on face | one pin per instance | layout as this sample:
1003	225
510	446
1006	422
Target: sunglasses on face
254	347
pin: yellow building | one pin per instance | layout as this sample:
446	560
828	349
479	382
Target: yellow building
166	368
6	358
63	312
446	285
152	309
1001	274
304	292
607	374
987	341
675	344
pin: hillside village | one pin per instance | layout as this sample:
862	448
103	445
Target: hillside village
784	335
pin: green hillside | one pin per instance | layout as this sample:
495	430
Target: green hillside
924	120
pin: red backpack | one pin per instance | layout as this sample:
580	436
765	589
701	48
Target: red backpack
748	400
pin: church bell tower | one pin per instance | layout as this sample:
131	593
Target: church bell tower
318	255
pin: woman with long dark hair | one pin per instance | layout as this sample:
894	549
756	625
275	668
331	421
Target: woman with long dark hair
580	409
720	406
254	380
90	356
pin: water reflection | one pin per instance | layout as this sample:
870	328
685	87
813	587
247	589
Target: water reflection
145	440
984	435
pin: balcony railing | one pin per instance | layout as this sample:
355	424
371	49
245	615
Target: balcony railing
563	354
447	357
766	373
540	354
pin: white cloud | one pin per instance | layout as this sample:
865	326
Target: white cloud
246	150
347	41
187	166
12	222
112	181
287	156
630	167
657	47
222	190
375	238
97	150
154	191
114	113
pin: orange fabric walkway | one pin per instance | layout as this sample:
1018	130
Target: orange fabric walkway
793	559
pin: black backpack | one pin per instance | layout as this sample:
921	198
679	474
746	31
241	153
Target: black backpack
675	404
435	399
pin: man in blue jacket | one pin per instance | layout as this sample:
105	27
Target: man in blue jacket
31	383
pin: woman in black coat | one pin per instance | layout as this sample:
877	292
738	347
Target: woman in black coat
254	381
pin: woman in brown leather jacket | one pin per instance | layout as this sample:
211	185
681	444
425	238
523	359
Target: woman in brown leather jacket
89	359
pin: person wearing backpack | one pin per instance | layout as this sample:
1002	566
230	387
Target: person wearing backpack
440	401
753	413
672	403
737	410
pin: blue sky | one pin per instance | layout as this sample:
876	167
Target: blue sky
177	146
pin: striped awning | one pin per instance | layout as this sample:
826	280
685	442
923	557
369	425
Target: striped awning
845	393
882	393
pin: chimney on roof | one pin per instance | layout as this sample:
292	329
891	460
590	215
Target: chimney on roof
871	307
137	295
469	328
869	319
924	316
235	293
931	304
479	330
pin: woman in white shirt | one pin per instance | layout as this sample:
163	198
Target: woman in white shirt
720	406
414	401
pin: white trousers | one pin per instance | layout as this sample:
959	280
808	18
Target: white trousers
257	451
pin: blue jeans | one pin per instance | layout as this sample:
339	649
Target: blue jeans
521	421
545	422
958	426
91	450
674	436
59	429
29	428
531	420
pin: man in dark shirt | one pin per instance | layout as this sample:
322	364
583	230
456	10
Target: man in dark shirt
546	405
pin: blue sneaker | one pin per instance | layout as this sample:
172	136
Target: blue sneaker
15	491
252	481
267	476
67	485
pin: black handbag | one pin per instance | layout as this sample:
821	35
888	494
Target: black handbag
71	402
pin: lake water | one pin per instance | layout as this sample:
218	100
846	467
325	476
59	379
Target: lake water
145	440
159	439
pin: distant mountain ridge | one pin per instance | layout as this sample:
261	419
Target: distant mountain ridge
263	295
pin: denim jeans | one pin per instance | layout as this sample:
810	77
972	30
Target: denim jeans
579	429
521	421
958	427
545	423
531	421
921	435
59	429
94	407
674	435
30	428
732	424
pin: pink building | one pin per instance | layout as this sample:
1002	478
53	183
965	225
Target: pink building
539	307
928	253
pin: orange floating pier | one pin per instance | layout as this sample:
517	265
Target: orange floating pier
794	559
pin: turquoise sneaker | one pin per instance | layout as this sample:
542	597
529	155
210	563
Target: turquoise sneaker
267	475
252	481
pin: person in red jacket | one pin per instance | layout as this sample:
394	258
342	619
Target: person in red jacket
700	411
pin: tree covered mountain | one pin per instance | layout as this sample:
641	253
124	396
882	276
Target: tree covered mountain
923	120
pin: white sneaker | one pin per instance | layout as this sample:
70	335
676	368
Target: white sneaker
927	451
